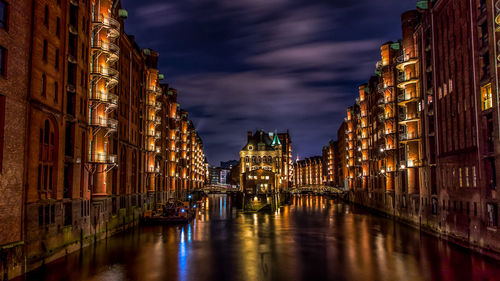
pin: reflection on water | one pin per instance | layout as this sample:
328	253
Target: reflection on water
314	238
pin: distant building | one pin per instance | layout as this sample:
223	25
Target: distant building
261	163
309	171
330	162
229	164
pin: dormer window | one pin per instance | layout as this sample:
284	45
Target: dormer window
250	147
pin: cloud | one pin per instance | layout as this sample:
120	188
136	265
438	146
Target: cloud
266	64
159	15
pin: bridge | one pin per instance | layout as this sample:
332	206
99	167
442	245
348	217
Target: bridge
317	189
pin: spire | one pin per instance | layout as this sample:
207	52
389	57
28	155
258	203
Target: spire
276	140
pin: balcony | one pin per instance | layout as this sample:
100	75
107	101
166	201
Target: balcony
108	123
156	90
112	50
404	80
381	88
109	74
112	25
409	137
104	97
405	98
402	62
411	164
153	170
405	118
102	158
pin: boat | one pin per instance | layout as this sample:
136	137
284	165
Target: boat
172	213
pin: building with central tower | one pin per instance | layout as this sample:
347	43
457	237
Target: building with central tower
262	163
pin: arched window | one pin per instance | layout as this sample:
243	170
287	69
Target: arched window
46	159
260	159
246	159
254	160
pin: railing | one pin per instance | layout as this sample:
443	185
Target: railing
107	22
409	117
153	170
109	123
405	136
103	96
156	90
403	80
102	158
406	97
106	47
107	72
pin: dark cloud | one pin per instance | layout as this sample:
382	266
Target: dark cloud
265	64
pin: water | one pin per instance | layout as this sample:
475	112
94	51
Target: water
312	239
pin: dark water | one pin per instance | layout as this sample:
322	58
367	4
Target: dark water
312	239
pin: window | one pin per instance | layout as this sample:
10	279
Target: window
492	214
3	61
46	157
45	50
467	176
58	27
44	85
486	97
2	124
56	91
56	60
3	14
474	178
46	16
460	181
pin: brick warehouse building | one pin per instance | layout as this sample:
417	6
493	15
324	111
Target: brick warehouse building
430	116
83	102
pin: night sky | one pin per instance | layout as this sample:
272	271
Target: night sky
242	65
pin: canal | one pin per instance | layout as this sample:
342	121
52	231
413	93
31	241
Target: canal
314	238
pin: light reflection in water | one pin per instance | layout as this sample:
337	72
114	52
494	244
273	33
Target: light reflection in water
314	238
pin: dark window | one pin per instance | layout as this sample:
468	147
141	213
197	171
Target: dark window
3	14
45	50
56	92
2	124
3	61
47	157
58	26
46	16
40	215
57	59
44	85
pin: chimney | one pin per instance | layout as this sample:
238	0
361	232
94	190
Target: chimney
250	134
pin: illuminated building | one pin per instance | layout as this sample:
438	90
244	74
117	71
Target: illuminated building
433	141
88	115
261	163
287	161
330	162
343	155
309	172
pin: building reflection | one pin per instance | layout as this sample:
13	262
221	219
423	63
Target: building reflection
314	238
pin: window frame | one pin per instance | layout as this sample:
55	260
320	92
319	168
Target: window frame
3	61
5	23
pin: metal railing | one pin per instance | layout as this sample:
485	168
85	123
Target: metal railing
102	158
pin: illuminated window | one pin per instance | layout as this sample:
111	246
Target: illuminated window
474	178
460	182
467	176
486	97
